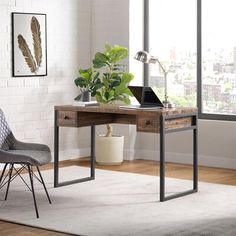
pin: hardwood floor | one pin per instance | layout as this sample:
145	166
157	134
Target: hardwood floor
10	229
207	174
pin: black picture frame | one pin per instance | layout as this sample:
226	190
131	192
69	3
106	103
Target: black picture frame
29	44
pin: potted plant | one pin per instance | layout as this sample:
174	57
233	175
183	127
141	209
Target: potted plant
112	86
88	82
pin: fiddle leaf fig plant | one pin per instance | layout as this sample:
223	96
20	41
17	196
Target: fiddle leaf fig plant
107	79
112	76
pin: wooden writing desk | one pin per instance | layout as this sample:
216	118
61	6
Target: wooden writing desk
159	120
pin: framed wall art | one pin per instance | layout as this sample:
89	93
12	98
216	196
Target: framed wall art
29	44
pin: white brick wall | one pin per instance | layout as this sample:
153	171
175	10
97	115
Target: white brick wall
29	102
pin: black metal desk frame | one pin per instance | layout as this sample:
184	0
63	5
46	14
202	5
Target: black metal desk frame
163	133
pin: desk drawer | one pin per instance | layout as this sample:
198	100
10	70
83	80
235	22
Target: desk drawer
67	118
148	124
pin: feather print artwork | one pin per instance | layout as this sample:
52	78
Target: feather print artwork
36	34
27	53
33	62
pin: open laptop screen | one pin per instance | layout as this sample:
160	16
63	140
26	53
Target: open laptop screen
146	96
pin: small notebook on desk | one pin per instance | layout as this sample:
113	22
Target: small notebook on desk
146	97
85	104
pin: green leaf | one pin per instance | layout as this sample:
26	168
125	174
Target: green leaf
100	60
86	74
115	80
78	97
80	82
115	83
95	88
116	53
127	77
96	76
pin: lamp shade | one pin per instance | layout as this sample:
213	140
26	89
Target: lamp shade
145	57
142	56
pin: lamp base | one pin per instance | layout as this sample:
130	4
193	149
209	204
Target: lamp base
168	104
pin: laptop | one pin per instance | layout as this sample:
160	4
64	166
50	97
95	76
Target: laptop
145	96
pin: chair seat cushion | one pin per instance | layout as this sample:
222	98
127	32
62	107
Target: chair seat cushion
32	157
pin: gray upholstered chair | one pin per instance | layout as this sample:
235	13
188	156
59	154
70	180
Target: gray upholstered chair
26	155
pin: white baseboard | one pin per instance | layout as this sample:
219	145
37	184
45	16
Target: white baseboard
145	154
129	154
73	153
211	161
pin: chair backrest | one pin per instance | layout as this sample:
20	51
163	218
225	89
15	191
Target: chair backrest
7	138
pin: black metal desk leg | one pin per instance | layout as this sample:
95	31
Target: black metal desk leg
93	158
195	156
56	147
163	133
56	158
162	159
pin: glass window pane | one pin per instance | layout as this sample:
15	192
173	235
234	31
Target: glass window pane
218	57
172	39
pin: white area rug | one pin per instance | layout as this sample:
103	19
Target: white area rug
119	203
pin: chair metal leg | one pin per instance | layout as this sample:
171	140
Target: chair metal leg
9	181
3	172
12	176
44	185
32	188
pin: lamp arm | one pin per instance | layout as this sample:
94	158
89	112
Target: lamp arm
162	67
166	95
165	78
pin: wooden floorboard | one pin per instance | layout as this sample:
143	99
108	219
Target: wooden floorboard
206	174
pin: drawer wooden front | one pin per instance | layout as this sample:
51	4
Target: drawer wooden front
67	118
178	123
148	124
92	118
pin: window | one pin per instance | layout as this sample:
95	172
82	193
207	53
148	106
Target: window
193	39
218	57
172	39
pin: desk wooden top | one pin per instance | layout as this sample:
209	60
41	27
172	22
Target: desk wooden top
146	120
116	109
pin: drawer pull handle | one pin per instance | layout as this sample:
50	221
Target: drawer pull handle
66	117
148	122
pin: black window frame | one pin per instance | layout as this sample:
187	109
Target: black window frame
201	115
